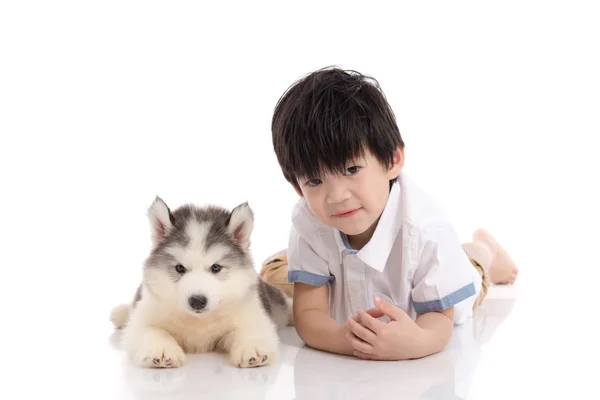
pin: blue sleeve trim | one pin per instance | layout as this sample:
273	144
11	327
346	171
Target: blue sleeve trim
309	278
447	302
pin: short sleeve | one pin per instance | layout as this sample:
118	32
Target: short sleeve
304	264
444	275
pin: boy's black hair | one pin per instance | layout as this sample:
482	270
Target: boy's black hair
329	117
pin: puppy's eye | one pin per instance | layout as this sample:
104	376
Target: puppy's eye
180	269
216	268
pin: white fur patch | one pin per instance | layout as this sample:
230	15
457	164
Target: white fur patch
199	282
197	232
159	334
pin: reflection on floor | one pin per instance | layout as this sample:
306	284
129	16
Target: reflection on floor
307	374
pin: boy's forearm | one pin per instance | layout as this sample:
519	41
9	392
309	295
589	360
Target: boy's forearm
434	333
318	330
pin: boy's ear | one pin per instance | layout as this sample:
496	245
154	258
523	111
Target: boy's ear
397	163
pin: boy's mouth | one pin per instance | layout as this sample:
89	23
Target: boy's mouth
347	213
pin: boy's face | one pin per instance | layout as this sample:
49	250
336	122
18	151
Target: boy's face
353	201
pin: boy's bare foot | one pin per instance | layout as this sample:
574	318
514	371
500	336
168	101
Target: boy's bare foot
502	267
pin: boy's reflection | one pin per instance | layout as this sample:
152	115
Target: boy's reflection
446	375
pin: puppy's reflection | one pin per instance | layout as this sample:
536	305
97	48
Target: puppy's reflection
203	376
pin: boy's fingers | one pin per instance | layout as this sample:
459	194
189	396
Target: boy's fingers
372	323
389	309
375	312
359	344
362	332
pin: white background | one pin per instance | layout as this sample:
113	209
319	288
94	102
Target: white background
104	105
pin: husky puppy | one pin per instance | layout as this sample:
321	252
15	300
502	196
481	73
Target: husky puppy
200	292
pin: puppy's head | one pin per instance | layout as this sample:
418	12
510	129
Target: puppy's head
200	257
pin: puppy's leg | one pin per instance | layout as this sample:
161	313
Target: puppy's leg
254	342
151	347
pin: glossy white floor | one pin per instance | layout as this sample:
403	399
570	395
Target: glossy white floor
508	350
537	338
515	347
303	373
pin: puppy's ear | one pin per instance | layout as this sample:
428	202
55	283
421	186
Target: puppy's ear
241	223
161	220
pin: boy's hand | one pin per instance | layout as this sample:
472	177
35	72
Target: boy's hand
373	339
345	330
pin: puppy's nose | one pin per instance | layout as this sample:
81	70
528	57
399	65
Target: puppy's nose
197	302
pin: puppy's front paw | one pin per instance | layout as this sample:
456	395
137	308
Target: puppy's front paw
160	354
251	354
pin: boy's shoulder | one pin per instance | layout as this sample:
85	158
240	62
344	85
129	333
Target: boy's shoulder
419	209
425	218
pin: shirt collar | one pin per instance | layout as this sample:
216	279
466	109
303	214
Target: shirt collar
375	253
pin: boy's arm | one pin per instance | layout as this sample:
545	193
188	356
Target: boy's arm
436	328
313	323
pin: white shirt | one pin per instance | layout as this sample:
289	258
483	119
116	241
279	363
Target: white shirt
414	259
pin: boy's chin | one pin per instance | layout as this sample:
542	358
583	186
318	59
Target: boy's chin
353	229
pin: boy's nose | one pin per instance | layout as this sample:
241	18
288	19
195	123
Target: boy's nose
337	194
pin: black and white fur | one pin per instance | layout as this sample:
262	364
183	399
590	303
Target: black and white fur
200	292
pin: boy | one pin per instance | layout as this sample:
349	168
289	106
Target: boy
366	242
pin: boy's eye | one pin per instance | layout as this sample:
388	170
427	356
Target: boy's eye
351	171
313	182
